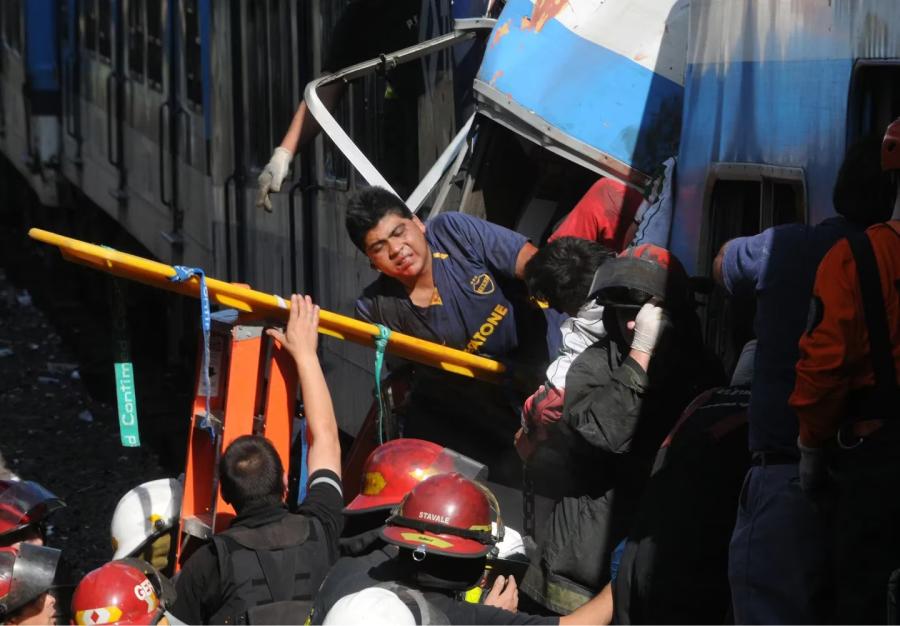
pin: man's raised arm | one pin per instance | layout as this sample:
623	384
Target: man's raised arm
300	339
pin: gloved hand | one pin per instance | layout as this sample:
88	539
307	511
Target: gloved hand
813	469
648	327
543	408
272	176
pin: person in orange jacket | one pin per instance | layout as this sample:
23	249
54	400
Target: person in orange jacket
846	391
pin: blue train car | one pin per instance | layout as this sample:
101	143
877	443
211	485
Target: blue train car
771	103
30	96
775	91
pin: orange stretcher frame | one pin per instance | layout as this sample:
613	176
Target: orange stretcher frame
257	303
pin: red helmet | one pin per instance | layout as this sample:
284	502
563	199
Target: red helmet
26	572
646	267
23	504
446	514
126	591
890	147
395	467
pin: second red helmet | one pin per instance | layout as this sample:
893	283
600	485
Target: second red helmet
446	514
395	467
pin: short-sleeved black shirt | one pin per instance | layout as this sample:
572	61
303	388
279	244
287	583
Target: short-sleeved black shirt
199	588
368	28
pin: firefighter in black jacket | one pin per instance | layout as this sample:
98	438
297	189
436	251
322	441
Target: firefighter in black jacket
267	566
623	394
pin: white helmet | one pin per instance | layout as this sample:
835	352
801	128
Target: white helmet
144	513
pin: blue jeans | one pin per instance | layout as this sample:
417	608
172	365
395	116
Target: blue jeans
778	565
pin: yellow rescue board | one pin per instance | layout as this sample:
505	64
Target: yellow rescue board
267	305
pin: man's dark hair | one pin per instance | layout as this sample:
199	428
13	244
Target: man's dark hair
250	472
863	193
365	209
561	272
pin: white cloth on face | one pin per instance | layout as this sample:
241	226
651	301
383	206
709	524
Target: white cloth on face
512	544
578	333
373	606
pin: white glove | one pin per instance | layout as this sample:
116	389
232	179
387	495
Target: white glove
272	176
648	327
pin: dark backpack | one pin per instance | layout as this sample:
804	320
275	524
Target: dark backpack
269	574
674	568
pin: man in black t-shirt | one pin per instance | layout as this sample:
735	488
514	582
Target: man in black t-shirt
268	565
365	29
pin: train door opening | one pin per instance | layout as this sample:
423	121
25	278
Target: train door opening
511	181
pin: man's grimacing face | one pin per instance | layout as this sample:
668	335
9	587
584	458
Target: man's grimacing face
396	246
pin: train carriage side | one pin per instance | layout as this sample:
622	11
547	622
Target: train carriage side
133	120
30	93
774	93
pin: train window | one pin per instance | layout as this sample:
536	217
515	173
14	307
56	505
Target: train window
336	166
745	199
154	43
874	98
192	49
104	29
15	25
270	76
136	28
90	24
12	24
257	78
63	24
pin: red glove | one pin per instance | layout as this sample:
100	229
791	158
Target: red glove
542	409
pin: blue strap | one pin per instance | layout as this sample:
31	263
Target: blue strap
304	460
381	342
183	274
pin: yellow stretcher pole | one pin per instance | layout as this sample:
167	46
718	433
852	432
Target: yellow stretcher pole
255	302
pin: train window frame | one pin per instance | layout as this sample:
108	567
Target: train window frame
725	328
336	167
88	21
137	45
269	63
105	30
192	55
154	41
12	31
870	104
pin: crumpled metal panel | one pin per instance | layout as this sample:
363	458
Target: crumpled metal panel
601	80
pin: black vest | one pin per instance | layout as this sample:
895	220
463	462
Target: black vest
269	574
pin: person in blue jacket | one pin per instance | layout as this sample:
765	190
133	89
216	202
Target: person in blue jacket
454	280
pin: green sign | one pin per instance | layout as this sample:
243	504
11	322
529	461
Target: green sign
127	400
126	395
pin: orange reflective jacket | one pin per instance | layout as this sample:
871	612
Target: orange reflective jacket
835	359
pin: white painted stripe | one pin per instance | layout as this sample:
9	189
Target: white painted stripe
793	30
328	480
651	33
